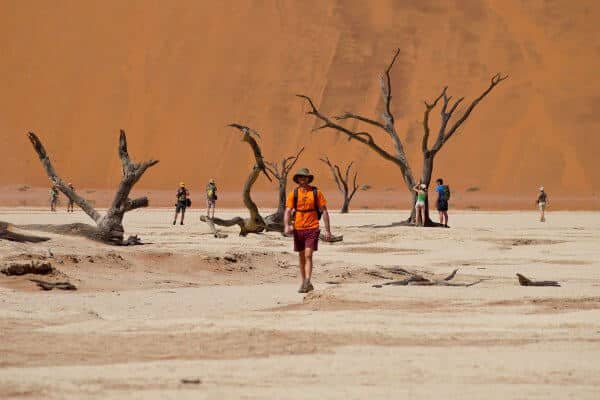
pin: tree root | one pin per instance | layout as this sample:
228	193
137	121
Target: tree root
524	281
7	234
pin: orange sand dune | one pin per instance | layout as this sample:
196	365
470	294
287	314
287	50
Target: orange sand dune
173	74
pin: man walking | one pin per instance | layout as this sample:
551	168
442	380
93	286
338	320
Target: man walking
182	202
211	198
443	192
542	202
308	204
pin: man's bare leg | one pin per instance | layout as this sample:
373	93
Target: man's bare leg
175	217
182	215
302	265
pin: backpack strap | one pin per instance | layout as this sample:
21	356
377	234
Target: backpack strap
295	198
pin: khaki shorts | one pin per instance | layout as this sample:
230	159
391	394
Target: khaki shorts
542	206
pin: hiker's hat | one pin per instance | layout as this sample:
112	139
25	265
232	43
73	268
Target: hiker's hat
303	172
541	188
423	186
212	180
181	184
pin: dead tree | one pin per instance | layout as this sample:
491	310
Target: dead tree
255	223
398	156
281	172
342	181
109	228
7	234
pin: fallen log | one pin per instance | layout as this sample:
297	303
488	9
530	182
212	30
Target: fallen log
27	267
524	281
45	285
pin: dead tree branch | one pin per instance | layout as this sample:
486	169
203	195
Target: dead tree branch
414	279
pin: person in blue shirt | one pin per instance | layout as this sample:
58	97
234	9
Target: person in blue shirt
443	192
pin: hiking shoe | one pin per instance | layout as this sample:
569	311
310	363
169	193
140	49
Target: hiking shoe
309	287
173	222
302	288
181	223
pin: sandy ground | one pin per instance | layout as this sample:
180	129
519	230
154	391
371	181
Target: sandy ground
226	311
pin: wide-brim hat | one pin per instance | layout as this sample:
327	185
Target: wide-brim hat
303	172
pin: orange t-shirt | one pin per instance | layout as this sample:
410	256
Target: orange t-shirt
305	220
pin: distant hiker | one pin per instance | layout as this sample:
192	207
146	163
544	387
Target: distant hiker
443	192
183	202
542	202
53	198
421	190
307	204
211	198
71	202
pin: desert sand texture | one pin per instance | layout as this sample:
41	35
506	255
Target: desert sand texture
225	314
174	74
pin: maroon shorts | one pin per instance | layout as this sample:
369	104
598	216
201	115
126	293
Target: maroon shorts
306	238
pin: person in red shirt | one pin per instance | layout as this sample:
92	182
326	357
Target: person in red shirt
305	223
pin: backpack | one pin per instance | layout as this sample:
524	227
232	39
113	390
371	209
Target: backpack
446	192
316	206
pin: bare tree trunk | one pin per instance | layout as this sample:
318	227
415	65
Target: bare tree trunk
110	226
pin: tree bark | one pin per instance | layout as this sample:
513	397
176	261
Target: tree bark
109	228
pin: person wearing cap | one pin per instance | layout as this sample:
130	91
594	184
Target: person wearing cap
304	224
542	202
182	202
71	202
211	198
421	190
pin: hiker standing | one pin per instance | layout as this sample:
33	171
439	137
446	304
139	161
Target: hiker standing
308	204
71	202
211	198
443	192
421	190
542	202
53	198
183	202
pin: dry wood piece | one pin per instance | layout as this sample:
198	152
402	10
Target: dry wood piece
524	281
193	381
414	279
54	285
342	181
27	267
109	228
332	239
7	234
398	157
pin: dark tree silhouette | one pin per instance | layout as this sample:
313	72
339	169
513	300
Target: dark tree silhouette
342	181
398	156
